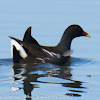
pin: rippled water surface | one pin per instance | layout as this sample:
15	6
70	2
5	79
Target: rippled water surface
79	79
48	81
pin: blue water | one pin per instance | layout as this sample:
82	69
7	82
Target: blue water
77	81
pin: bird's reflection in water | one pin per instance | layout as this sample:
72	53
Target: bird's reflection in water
30	73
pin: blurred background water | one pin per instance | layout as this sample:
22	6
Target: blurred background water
49	19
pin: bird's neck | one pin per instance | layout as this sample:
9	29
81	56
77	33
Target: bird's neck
64	44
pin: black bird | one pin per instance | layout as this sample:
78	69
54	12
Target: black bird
30	51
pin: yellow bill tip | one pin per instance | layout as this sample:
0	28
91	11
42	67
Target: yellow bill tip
86	34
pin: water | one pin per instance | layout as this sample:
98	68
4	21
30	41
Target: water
77	80
47	81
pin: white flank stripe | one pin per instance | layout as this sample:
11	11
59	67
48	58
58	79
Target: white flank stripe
42	60
51	53
23	54
47	52
58	56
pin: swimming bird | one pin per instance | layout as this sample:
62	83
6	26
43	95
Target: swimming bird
30	51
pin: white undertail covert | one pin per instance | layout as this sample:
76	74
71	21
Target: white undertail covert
19	48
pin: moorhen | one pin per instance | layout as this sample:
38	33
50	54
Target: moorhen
30	51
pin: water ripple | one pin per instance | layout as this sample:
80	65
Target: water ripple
30	76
